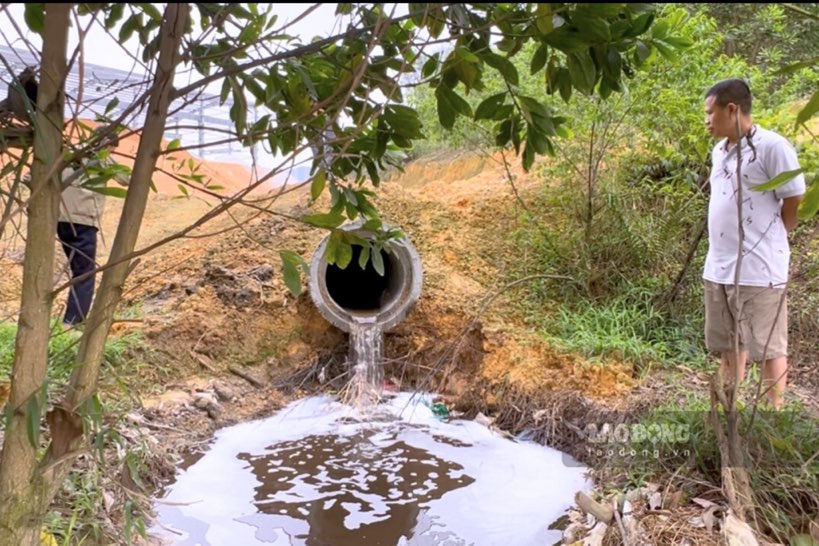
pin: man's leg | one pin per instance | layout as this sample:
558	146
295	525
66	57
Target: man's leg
80	246
733	369
774	379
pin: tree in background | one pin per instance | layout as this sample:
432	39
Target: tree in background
765	35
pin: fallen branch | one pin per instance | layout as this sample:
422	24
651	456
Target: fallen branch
246	376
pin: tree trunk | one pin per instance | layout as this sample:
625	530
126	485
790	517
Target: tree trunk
83	383
21	514
21	486
84	378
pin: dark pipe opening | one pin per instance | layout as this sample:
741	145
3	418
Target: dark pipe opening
356	289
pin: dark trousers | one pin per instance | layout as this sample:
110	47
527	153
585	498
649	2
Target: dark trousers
80	246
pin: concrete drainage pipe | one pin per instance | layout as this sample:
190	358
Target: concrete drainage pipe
354	295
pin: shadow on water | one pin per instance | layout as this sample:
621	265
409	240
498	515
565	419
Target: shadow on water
360	493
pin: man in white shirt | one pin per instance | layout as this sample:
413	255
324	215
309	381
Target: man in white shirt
766	219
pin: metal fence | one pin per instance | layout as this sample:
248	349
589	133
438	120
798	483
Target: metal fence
195	123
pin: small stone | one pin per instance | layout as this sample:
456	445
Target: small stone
223	392
655	501
204	399
634	495
214	411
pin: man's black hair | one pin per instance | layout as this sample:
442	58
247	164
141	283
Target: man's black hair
732	90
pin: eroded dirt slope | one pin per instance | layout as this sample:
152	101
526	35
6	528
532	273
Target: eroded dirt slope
217	301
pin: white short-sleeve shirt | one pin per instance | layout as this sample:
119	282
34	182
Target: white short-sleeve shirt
766	253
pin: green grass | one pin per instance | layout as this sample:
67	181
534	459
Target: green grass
624	330
62	351
80	514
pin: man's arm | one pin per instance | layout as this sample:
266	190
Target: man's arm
790	205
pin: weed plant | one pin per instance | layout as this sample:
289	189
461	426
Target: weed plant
96	506
780	456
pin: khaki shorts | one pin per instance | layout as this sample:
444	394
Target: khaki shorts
758	320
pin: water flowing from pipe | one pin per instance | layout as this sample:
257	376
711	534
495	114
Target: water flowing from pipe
366	359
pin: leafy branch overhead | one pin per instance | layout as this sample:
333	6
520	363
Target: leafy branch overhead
341	97
343	94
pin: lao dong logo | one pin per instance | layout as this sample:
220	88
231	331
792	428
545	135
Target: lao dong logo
635	439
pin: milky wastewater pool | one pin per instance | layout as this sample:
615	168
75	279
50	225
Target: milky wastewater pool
322	473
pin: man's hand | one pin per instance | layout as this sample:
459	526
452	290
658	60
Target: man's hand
790	205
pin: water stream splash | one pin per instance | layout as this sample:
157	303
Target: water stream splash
366	359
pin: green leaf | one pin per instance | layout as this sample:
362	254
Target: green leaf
378	261
566	40
544	22
352	212
810	203
449	104
111	105
539	59
364	257
468	73
487	108
582	71
528	157
641	52
33	420
456	101
640	25
809	109
534	106
777	180
593	29
613	64
659	30
344	254
446	114
464	53
119	193
679	42
537	140
290	269
665	50
114	15
502	65
317	185
791	68
175	144
325	220
429	67
330	249
34	16
128	27
151	11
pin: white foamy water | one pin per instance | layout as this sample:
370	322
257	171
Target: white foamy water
319	473
366	356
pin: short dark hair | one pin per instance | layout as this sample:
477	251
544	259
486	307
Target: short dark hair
732	90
